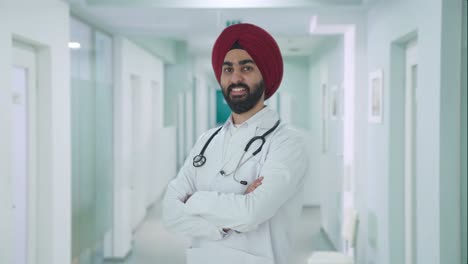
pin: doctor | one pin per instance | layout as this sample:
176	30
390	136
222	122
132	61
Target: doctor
239	193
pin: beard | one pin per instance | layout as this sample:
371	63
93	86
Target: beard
246	102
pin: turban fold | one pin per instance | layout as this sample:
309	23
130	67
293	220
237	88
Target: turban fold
259	44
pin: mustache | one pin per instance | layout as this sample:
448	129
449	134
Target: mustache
237	85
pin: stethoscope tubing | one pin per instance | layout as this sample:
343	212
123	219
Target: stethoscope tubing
200	159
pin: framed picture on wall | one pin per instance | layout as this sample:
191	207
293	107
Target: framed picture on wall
375	96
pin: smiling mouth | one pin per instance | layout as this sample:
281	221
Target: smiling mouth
238	92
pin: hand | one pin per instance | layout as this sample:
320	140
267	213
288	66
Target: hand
254	185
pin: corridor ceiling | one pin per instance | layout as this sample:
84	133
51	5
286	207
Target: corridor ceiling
198	22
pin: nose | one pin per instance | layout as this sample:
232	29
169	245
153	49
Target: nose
236	76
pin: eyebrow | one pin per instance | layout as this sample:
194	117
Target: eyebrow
242	62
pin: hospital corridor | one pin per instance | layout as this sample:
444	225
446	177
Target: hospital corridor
109	110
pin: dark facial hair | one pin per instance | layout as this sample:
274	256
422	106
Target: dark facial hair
244	104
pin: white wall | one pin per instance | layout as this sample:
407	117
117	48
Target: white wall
166	156
450	143
463	134
327	167
436	234
203	91
315	134
294	83
294	103
351	26
179	84
141	150
179	78
46	27
189	120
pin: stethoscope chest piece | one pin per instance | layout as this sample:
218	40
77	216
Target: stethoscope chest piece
199	160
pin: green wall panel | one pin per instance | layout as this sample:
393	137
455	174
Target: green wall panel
222	108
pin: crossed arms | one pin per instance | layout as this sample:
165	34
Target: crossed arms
206	213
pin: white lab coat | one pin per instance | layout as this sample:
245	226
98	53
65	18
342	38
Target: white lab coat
263	220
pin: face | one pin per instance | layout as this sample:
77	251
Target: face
241	81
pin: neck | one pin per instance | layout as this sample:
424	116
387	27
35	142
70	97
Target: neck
241	118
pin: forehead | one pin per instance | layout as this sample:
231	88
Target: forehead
236	55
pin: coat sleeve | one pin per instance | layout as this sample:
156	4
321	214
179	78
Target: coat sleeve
174	216
284	171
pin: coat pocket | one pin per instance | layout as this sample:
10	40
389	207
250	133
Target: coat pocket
223	255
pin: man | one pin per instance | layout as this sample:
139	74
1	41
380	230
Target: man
236	206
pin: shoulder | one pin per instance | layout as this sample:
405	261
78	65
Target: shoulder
289	137
289	148
207	134
286	132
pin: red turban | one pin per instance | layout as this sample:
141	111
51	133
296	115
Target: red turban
259	44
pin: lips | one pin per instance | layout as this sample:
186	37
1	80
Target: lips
238	91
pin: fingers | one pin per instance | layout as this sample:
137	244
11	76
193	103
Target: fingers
254	185
258	182
250	189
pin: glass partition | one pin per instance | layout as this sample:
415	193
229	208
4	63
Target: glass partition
92	139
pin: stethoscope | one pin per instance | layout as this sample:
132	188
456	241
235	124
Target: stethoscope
200	159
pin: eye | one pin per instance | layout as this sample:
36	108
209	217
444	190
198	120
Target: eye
227	69
247	68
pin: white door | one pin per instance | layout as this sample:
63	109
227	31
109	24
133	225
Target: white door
23	151
181	129
410	150
137	177
188	121
155	109
157	105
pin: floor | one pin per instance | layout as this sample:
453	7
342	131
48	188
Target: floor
153	244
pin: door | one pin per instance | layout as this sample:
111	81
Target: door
155	110
410	151
180	129
188	122
23	135
137	176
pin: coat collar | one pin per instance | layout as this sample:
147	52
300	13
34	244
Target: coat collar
265	119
